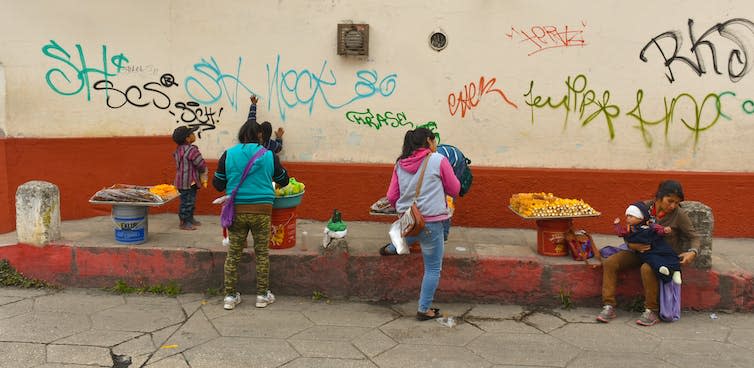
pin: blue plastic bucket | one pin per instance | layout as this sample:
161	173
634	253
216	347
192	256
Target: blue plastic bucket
130	224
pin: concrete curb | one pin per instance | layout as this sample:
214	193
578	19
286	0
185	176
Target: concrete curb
507	280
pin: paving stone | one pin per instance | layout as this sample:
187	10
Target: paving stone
9	299
581	315
743	338
19	354
695	327
22	306
410	331
736	320
505	326
241	352
145	317
138	348
421	356
544	322
615	359
523	349
22	292
42	326
373	342
604	337
78	354
177	361
326	349
197	330
191	302
349	314
159	337
77	302
262	323
330	333
102	338
329	363
695	353
495	311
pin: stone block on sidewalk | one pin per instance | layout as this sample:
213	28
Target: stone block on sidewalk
37	213
704	222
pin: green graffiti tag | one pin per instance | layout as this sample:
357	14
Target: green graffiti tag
696	126
387	119
577	99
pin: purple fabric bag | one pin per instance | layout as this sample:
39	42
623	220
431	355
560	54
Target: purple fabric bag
670	301
229	210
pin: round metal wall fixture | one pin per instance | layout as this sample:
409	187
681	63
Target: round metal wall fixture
438	40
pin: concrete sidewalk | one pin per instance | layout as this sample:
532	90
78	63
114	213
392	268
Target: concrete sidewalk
481	265
86	327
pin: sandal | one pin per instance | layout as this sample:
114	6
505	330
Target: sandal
425	317
384	251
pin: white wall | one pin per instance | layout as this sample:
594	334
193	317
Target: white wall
248	41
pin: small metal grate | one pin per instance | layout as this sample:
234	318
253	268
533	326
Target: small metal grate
353	39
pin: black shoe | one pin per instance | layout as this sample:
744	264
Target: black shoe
385	252
425	317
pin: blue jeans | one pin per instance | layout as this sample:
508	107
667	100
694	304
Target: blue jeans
432	243
188	204
446	229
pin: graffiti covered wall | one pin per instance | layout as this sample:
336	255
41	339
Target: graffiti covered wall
582	84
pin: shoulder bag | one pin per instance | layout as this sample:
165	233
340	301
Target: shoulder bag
229	210
412	221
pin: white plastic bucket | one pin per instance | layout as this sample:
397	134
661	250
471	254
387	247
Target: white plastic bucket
130	224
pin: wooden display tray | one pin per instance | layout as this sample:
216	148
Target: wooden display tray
136	204
552	217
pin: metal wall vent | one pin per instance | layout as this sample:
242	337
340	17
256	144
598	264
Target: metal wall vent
438	40
353	39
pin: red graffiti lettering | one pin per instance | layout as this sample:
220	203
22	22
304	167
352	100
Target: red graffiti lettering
549	37
468	98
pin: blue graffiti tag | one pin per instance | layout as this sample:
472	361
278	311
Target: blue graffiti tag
293	87
217	83
81	71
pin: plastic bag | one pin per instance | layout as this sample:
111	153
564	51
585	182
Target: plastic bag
395	237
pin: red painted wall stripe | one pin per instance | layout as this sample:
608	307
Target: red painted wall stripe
81	166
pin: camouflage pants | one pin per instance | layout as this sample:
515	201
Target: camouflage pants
259	225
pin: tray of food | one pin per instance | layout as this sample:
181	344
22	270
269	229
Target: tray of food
135	195
544	206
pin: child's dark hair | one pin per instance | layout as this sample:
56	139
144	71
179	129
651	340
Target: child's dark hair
249	132
415	139
266	131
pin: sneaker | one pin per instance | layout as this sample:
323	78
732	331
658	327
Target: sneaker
608	313
231	301
648	318
264	300
664	270
677	277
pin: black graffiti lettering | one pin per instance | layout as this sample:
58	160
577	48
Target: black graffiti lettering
148	87
167	80
738	58
107	86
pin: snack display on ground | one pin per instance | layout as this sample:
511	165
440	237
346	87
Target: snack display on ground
547	205
125	193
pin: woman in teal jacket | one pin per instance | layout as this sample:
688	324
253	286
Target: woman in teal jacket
253	209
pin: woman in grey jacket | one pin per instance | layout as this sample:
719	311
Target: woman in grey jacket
438	181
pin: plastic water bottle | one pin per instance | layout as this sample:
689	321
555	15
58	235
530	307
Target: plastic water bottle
304	240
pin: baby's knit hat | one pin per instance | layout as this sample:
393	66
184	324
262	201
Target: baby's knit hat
638	210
